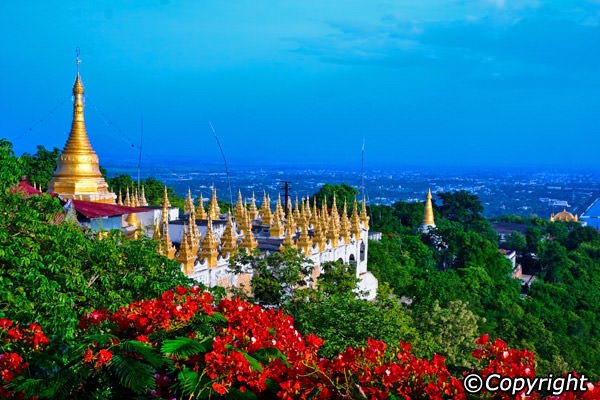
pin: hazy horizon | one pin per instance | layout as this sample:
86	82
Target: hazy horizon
424	83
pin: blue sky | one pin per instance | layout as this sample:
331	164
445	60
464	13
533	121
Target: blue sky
446	83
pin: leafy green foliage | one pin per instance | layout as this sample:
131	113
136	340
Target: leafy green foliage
53	272
342	192
275	276
11	168
459	263
39	167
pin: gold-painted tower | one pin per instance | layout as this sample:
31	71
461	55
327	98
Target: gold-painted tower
428	219
78	175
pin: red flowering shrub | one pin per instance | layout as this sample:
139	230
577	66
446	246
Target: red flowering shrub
183	345
15	343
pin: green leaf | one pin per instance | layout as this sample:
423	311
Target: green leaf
148	353
183	347
133	374
254	363
191	382
267	354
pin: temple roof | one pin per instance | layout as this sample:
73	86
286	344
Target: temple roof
25	188
93	209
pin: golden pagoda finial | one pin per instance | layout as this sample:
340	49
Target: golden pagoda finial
297	210
78	173
345	224
209	248
319	237
364	218
187	254
194	232
333	233
249	243
214	212
314	213
239	207
201	211
324	212
279	208
134	199
156	235
166	202
188	207
290	232
355	221
229	238
276	229
253	210
119	200
265	210
143	201
428	219
165	209
127	201
304	242
167	248
335	216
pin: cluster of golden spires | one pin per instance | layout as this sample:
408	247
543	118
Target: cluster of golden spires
133	200
78	175
292	223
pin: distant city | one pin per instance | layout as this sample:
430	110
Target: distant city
501	193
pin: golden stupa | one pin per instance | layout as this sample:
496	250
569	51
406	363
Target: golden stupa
428	219
77	175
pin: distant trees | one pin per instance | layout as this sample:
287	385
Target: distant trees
39	167
342	192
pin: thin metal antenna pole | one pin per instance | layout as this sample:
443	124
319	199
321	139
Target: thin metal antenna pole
140	152
362	168
224	161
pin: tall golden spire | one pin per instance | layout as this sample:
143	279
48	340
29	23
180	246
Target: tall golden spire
119	200
355	221
143	201
78	175
304	242
428	219
279	208
335	215
194	232
345	224
364	218
229	238
134	197
127	201
333	233
314	213
276	229
296	210
265	210
290	232
210	244
166	249
201	211
253	210
249	243
166	202
214	212
319	236
156	235
187	254
165	209
238	211
188	207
